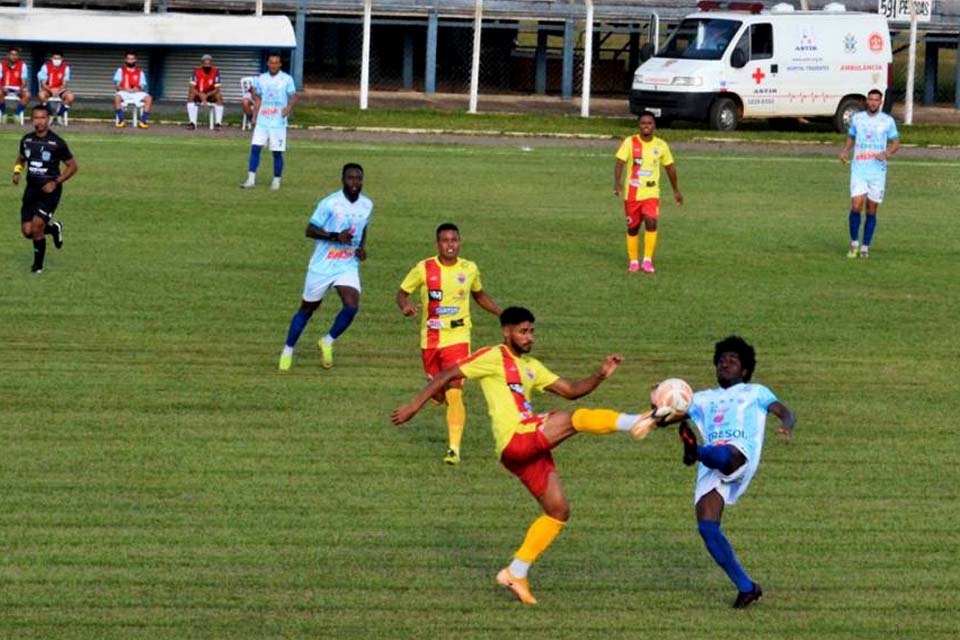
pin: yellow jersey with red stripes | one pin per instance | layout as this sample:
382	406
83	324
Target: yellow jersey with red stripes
507	380
445	300
641	180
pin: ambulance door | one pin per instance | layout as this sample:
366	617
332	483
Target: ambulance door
756	81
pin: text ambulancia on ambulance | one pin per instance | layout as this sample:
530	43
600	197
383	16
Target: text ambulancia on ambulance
736	60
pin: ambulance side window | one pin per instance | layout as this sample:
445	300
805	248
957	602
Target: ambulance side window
761	41
741	53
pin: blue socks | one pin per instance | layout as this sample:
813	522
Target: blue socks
715	457
144	115
855	226
342	321
868	228
277	164
719	547
120	115
297	324
254	157
20	108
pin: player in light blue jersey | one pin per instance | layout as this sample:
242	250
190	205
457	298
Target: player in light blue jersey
731	420
276	96
339	225
874	138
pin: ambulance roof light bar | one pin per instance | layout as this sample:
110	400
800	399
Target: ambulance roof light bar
715	5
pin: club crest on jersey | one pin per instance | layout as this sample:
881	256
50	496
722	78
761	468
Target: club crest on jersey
435	294
461	277
530	373
45	156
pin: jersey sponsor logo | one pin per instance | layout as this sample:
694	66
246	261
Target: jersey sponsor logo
447	311
516	387
435	294
435	323
725	434
339	254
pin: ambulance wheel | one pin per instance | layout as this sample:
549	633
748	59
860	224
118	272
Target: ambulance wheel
848	106
724	115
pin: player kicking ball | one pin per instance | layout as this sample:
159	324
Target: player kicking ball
339	226
508	376
731	420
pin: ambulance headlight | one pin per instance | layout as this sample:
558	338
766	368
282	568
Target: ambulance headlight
687	81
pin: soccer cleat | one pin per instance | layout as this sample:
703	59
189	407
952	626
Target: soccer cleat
689	441
218	127
452	458
275	185
520	587
865	252
634	266
191	126
35	269
286	361
120	124
648	266
852	251
142	125
326	354
746	598
644	425
57	233
249	184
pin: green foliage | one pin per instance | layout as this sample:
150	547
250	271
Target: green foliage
161	479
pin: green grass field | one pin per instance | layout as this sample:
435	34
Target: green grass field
160	479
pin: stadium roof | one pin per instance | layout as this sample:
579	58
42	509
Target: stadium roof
129	28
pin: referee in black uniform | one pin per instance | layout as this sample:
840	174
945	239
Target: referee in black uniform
41	153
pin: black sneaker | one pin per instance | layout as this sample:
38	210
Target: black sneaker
218	127
689	441
746	598
35	269
56	230
191	126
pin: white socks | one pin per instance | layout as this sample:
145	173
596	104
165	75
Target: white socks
192	110
519	568
218	113
626	420
327	340
287	351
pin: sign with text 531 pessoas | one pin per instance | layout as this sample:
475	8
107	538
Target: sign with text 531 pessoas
899	10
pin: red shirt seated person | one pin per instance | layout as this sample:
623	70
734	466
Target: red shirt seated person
16	81
205	89
53	79
131	83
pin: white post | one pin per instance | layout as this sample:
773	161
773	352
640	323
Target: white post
587	62
911	63
258	11
146	6
475	66
365	58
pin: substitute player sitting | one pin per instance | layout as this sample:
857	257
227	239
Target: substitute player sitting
508	376
53	78
205	90
731	419
874	138
339	226
15	79
131	83
444	281
644	153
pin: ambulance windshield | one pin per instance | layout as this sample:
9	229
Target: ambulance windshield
700	39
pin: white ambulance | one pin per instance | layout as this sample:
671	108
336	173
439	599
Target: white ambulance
736	60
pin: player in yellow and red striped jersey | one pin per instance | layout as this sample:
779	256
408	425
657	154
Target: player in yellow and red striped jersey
444	281
644	153
508	376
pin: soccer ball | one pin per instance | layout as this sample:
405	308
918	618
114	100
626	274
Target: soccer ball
671	398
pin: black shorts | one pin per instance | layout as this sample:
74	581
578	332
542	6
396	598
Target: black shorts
38	203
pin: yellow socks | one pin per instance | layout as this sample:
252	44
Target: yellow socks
540	535
649	244
456	417
633	247
595	421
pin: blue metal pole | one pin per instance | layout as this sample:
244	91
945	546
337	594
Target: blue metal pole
300	29
407	60
430	70
930	58
541	62
567	83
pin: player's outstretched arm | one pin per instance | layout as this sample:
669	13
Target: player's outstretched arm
406	412
486	302
579	388
786	418
403	301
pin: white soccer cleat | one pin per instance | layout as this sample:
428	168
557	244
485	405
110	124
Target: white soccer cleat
249	184
275	185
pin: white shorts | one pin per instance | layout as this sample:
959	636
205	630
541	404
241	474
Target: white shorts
276	137
871	187
730	487
315	287
132	97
